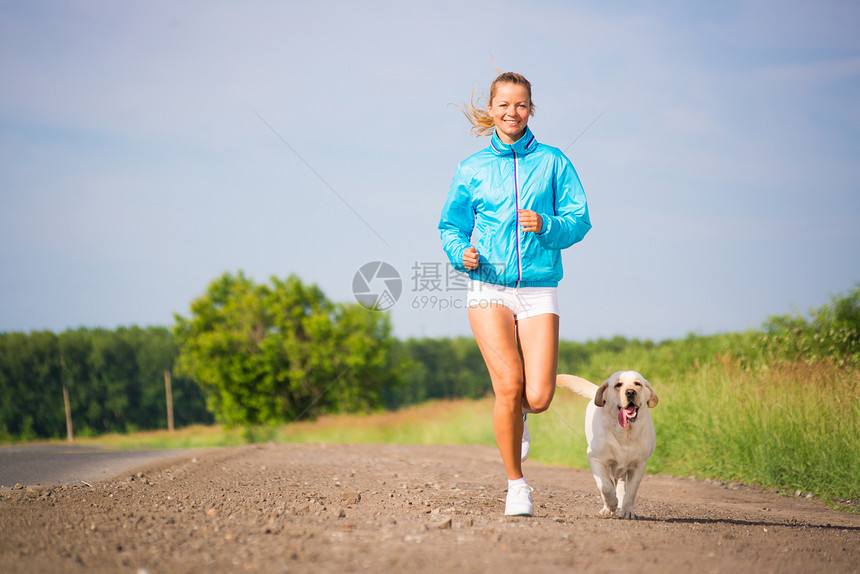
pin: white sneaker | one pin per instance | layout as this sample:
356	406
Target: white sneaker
519	501
527	441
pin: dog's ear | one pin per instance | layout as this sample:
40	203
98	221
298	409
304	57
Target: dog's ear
599	399
600	395
653	399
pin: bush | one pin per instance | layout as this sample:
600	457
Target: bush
832	333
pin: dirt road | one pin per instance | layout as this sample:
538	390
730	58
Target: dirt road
382	508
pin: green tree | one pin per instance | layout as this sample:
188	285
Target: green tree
115	381
831	333
156	351
441	369
31	400
278	352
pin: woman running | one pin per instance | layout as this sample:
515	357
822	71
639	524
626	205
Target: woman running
524	202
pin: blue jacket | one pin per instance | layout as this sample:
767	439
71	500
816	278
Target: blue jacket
487	190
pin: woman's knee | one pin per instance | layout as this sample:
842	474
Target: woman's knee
538	406
537	401
508	390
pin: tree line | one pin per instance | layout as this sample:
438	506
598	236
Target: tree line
114	381
249	354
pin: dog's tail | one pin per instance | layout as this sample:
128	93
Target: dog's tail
578	385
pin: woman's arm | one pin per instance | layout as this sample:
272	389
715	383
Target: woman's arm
457	222
571	221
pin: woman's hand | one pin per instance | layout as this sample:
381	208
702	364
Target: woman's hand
470	258
530	220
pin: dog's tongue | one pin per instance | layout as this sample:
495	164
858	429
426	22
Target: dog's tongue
624	414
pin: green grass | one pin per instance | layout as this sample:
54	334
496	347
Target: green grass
558	436
791	428
436	422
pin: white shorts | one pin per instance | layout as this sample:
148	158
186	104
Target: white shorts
522	301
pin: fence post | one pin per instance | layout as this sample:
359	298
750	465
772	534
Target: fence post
168	390
69	433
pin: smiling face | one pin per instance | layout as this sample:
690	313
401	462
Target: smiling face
510	107
628	389
626	392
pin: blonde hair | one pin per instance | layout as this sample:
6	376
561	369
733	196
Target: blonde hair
482	123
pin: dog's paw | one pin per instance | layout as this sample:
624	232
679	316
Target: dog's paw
627	513
606	512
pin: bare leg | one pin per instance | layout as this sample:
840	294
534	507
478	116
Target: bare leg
538	341
522	358
495	332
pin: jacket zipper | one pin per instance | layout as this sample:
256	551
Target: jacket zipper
517	229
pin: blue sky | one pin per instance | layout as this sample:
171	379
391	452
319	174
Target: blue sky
148	147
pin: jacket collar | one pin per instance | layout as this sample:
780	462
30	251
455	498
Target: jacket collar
525	144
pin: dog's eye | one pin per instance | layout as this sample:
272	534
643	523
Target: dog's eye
638	384
617	385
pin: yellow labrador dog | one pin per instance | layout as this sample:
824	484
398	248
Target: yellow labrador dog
620	434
